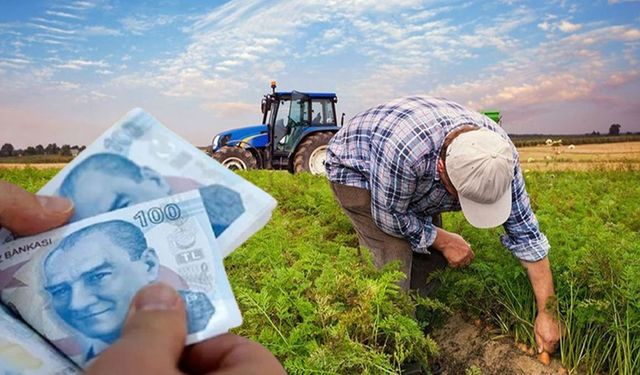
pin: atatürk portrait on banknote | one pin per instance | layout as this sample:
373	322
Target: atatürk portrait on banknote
105	182
93	274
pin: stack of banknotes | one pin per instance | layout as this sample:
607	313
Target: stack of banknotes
148	207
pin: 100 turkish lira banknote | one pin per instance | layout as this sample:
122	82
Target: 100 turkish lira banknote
74	284
138	159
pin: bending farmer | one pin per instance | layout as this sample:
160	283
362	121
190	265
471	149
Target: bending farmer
394	167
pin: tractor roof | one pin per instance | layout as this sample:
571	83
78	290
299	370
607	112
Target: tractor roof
316	95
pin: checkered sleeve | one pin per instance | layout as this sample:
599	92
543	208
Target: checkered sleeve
393	183
523	237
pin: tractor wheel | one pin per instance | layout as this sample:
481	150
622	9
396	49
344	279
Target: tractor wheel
312	153
235	158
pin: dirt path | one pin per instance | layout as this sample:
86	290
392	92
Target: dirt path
463	345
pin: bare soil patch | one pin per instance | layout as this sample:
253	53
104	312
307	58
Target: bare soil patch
463	345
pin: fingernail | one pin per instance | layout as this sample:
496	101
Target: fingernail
57	205
157	296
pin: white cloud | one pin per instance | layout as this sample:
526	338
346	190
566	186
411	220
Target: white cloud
64	86
53	42
546	26
66	37
550	25
569	27
77	5
82	64
140	24
605	34
14	63
64	15
50	21
52	29
622	78
101	31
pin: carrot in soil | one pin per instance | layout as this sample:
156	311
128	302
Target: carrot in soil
544	358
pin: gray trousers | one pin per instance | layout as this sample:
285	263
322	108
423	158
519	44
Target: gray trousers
356	203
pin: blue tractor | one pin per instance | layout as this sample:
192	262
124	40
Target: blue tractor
295	131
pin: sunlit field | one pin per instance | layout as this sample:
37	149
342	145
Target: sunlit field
315	300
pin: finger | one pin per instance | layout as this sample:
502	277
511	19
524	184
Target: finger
24	213
230	354
153	336
539	342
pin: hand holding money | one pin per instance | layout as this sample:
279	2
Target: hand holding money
152	343
145	207
74	284
154	332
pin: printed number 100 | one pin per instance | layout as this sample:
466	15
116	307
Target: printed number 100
157	215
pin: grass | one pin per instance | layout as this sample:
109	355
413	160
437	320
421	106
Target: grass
35	159
316	301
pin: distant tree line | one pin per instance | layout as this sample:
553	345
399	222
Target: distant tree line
7	149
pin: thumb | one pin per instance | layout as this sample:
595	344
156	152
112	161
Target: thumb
153	336
24	213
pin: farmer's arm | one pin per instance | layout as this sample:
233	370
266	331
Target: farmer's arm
546	327
524	239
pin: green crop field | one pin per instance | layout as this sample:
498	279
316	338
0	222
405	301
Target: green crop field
315	300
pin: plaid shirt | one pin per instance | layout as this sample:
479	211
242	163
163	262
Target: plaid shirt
392	150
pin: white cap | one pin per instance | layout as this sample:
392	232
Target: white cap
480	165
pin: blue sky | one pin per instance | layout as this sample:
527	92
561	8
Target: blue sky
69	69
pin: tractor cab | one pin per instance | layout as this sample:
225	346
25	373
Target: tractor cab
296	128
294	115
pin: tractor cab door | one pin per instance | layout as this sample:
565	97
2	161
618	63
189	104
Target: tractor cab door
280	123
296	121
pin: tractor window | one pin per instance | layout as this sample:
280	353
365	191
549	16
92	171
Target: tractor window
322	112
299	112
281	121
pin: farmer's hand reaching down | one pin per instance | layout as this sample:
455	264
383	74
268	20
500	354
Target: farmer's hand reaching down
454	248
547	332
153	337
